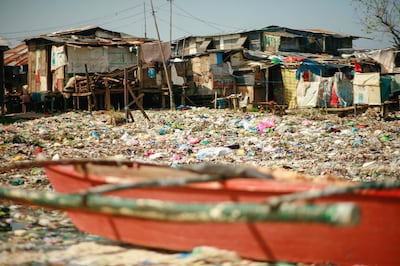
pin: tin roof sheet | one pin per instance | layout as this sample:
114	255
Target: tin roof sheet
16	56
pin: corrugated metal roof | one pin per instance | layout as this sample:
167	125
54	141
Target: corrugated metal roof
302	31
283	34
90	36
81	41
77	30
335	34
279	31
17	56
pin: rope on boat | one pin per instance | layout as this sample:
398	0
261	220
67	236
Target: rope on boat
343	214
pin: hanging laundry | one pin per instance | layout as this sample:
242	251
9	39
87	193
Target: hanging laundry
357	67
334	98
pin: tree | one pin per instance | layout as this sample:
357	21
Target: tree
380	16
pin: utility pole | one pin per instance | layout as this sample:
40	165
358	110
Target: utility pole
170	21
144	12
171	96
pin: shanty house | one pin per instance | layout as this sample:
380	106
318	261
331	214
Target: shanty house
248	54
282	39
271	38
54	58
211	73
256	76
203	77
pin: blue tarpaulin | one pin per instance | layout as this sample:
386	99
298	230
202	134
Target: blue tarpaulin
323	70
385	88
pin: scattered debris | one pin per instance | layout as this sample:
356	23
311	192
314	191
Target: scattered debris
308	141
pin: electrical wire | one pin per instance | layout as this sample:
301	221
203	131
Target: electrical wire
175	27
75	23
214	25
110	19
21	35
186	15
198	19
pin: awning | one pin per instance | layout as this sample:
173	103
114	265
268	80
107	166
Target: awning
204	45
16	56
240	42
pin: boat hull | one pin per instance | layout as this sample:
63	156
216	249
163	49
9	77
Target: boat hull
376	240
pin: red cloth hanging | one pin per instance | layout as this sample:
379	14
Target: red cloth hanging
37	76
306	76
334	98
357	67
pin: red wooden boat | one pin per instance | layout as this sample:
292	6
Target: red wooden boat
374	241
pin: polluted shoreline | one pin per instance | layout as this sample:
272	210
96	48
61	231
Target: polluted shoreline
355	148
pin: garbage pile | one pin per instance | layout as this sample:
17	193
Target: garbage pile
356	148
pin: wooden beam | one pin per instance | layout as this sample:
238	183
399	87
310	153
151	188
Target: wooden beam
138	103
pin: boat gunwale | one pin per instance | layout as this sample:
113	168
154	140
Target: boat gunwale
235	184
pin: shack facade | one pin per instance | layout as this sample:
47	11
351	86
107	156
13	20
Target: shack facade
55	58
294	68
247	56
271	38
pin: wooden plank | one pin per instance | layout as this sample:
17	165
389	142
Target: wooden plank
107	97
89	88
138	103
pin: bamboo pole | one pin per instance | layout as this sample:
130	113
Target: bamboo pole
343	214
331	191
171	96
161	182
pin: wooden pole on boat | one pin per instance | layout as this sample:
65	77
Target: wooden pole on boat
171	96
344	214
331	191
